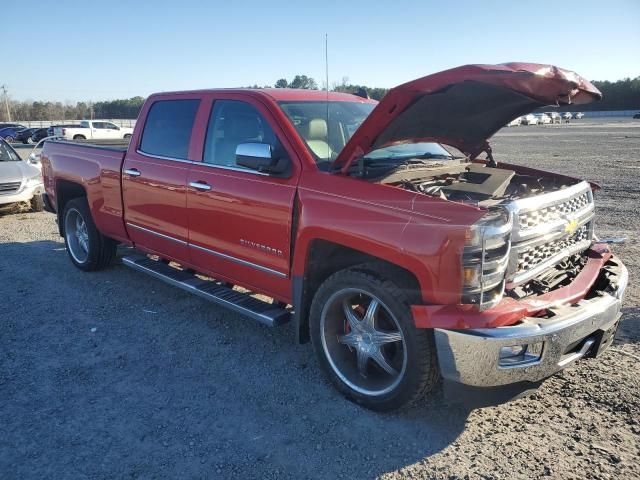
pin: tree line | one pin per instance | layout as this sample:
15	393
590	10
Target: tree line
620	95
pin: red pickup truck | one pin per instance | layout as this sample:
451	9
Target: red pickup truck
374	227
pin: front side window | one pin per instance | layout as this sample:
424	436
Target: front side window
167	130
326	131
233	122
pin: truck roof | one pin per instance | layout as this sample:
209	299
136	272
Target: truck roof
281	94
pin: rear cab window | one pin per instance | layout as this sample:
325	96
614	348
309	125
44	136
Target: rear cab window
167	129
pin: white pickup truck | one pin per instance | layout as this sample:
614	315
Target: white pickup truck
93	130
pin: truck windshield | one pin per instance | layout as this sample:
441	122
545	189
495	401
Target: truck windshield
7	154
325	138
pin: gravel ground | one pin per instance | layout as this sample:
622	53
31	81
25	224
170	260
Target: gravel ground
113	375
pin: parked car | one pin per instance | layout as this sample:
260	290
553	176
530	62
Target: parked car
543	118
20	182
39	134
567	116
637	116
480	273
515	122
529	119
24	136
93	129
9	133
578	115
554	116
5	125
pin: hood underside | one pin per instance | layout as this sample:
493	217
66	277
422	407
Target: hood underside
463	107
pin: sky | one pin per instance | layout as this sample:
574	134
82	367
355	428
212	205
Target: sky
84	50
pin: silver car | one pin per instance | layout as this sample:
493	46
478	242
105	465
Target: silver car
20	181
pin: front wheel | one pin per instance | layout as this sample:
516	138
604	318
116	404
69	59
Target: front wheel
88	249
366	342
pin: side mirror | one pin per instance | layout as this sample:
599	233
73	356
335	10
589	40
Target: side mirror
259	156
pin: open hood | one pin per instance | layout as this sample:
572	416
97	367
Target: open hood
463	107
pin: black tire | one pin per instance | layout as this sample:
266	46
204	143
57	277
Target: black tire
127	136
79	137
421	372
100	251
8	139
37	204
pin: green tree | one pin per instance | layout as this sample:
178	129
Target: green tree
302	81
282	83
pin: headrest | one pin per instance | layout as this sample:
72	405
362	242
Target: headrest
317	129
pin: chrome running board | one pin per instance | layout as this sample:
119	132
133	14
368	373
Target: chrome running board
264	312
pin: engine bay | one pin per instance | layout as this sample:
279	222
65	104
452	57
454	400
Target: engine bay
473	183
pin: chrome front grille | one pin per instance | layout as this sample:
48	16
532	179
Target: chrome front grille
547	229
9	188
530	257
552	213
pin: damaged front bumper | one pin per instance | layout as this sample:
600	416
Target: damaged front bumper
538	346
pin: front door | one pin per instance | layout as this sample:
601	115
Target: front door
154	179
240	219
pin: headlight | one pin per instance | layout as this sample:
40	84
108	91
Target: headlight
485	259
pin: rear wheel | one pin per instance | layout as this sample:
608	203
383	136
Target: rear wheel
366	342
29	140
79	137
127	136
9	139
88	249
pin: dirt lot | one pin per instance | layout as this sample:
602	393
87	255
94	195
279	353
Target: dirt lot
114	375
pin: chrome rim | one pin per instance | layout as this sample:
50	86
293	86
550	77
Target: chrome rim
363	342
77	235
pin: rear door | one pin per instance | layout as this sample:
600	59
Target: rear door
240	219
154	177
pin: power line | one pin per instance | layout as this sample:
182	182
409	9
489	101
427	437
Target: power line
6	101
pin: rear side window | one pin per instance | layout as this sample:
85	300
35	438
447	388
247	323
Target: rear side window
167	130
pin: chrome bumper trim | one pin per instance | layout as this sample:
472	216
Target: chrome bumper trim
471	357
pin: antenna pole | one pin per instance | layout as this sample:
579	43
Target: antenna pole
6	102
326	72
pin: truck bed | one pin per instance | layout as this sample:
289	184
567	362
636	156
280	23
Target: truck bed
95	164
116	144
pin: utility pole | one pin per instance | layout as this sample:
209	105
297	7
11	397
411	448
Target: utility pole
6	101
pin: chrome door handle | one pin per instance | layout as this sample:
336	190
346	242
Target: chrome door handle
200	185
134	172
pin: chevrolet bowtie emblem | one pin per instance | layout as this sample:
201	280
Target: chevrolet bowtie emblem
571	227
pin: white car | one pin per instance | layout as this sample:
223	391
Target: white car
555	117
543	118
93	130
20	181
530	119
578	115
515	122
